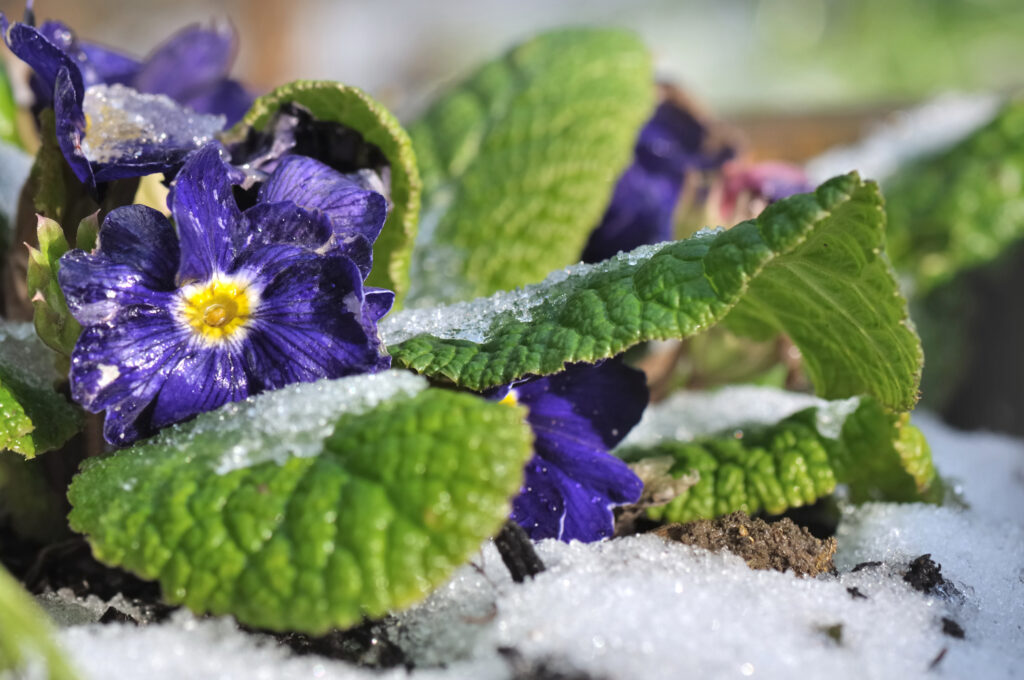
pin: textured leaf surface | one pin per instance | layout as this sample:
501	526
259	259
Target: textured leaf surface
288	516
961	208
810	266
353	108
33	417
27	648
796	461
519	160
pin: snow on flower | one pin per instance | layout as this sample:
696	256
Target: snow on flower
235	303
140	116
578	415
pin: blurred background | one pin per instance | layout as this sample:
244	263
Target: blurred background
821	67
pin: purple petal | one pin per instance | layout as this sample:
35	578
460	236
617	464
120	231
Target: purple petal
377	303
315	186
108	66
539	508
206	214
97	287
206	377
121	365
282	222
189	60
309	323
46	59
225	97
576	416
70	125
141	237
672	143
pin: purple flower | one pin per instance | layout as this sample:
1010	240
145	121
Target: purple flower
235	303
747	188
181	92
673	143
572	482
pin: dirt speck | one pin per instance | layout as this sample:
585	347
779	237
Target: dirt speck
856	594
780	545
925	575
952	628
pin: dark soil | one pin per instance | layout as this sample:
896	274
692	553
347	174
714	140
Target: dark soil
70	564
925	575
542	669
367	644
780	545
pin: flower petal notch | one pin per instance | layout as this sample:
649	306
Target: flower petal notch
235	303
577	416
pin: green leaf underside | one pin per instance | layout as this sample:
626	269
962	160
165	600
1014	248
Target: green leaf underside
792	463
33	417
376	516
27	648
810	266
353	108
519	161
960	208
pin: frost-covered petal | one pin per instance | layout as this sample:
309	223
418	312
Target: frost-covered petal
282	222
132	134
207	216
316	186
109	66
206	377
121	365
193	57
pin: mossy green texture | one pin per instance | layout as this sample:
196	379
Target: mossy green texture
961	208
27	648
398	497
520	159
356	110
811	266
774	468
33	416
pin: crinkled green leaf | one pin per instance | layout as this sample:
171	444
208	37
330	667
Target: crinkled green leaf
519	160
33	417
810	266
353	108
773	468
27	648
960	208
309	507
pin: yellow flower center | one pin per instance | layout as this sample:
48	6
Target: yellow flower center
510	399
219	308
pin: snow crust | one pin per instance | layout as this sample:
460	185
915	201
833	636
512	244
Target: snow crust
471	320
641	608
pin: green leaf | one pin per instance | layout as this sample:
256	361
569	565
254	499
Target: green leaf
309	507
796	461
8	112
353	108
519	161
810	266
961	208
33	417
27	648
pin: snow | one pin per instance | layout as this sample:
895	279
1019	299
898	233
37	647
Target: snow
471	320
926	129
642	608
